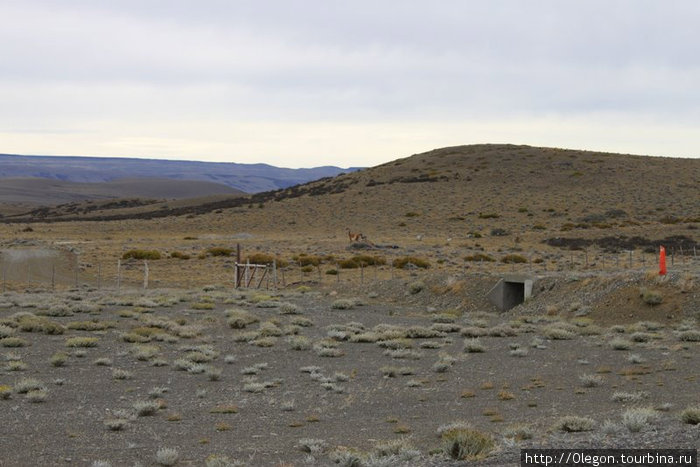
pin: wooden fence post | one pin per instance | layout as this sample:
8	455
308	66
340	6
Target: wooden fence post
145	274
274	274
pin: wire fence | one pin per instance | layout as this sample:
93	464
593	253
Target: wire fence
56	269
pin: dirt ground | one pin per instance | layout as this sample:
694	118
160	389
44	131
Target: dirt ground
321	376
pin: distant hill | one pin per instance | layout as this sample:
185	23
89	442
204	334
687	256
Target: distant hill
249	178
44	191
487	190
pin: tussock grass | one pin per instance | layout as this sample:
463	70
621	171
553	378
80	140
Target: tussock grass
691	415
589	380
25	385
466	444
639	419
473	346
167	456
574	424
82	342
13	342
37	396
146	408
620	344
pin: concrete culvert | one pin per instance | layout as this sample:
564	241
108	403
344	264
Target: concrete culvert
511	291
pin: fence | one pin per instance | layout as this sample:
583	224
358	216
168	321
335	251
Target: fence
55	269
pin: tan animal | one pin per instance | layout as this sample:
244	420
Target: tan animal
356	236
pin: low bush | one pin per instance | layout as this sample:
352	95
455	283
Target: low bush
142	254
513	258
466	444
405	262
219	251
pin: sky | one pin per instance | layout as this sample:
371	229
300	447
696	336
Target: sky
326	82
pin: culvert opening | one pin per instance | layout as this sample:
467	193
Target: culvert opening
511	291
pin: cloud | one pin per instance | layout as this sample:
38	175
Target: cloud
67	66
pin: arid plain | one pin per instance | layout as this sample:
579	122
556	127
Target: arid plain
384	352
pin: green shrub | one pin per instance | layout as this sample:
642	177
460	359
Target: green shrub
142	254
488	215
264	258
404	261
219	251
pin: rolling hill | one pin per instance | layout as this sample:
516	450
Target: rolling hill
250	178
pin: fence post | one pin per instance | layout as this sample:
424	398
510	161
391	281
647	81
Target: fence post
29	276
53	276
145	274
274	273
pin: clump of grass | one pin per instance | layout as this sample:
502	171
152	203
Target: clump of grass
116	424
31	323
82	342
58	359
167	456
25	385
466	444
638	396
691	415
589	380
639	418
37	396
513	258
416	287
407	262
651	297
121	374
103	361
574	424
473	346
12	342
619	343
299	342
213	373
558	332
343	304
691	335
6	331
311	445
142	254
16	365
146	408
219	251
5	391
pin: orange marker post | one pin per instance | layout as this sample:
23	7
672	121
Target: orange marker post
662	261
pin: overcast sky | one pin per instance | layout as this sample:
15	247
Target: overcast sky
309	83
